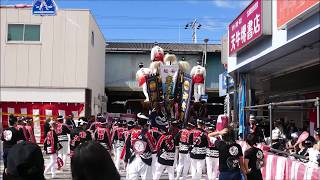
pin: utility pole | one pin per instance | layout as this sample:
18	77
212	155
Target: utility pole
194	26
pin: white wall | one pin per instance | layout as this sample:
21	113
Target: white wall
60	58
96	65
63	60
42	95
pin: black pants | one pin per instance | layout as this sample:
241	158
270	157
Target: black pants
230	175
254	175
5	155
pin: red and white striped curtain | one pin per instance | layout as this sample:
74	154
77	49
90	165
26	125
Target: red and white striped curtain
40	112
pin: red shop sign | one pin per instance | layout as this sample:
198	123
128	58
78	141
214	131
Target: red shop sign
251	24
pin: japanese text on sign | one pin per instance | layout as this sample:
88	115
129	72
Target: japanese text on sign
246	28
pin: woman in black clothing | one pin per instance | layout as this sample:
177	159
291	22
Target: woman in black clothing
231	164
253	159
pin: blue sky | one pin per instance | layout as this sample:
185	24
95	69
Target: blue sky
157	20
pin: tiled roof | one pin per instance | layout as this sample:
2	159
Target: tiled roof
177	47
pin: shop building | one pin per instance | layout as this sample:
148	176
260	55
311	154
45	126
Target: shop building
274	56
50	65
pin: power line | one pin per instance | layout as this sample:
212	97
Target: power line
158	18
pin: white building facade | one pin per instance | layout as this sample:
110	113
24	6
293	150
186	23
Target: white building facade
51	65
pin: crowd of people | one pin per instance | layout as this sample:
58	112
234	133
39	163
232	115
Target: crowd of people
289	140
99	149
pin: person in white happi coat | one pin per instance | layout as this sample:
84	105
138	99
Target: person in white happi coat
198	74
198	145
137	151
166	155
141	76
212	156
182	141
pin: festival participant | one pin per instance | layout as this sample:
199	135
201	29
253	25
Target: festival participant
92	120
94	124
51	147
29	127
304	147
46	127
156	134
254	129
277	135
10	136
130	125
290	144
102	135
70	122
314	152
141	76
118	140
21	125
198	74
79	135
138	151
62	132
182	141
253	159
166	155
212	156
230	156
198	146
157	117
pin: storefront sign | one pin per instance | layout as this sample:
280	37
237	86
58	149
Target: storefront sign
288	10
251	24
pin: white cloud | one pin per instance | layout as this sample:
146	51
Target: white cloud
222	3
231	3
244	4
212	24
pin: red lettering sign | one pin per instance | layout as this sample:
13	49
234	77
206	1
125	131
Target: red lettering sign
246	27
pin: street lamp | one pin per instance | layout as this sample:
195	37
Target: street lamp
205	57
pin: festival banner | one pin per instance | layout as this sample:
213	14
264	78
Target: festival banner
153	88
178	88
186	96
168	75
